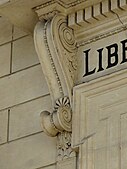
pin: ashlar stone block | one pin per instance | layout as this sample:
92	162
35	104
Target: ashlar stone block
5	30
3	126
25	118
5	55
22	86
18	33
31	152
24	54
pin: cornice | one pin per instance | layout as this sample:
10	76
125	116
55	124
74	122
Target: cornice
98	18
82	14
86	18
62	6
74	3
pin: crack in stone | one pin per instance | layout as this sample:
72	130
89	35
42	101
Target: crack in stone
119	19
124	26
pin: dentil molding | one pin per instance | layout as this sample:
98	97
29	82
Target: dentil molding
81	14
88	18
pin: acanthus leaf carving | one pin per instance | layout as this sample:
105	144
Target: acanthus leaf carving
64	146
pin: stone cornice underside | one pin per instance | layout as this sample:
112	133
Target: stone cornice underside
21	13
81	13
88	19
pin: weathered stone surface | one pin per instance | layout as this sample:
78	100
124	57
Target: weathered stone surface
24	54
3	2
49	167
25	118
68	163
28	153
22	86
3	126
99	106
18	33
5	55
5	34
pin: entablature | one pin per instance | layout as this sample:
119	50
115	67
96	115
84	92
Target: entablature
88	18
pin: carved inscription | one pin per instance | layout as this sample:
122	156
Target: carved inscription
102	57
112	57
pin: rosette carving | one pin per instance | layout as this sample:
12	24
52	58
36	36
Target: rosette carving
63	114
59	120
67	37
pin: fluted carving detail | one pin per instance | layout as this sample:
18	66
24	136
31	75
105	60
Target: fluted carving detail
59	120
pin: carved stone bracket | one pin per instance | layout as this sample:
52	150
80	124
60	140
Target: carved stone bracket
56	47
59	123
59	120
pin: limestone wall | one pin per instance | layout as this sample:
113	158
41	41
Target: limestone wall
24	94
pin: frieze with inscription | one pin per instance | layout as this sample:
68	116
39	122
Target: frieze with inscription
102	57
112	57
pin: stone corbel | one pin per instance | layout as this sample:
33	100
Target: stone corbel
59	120
56	47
